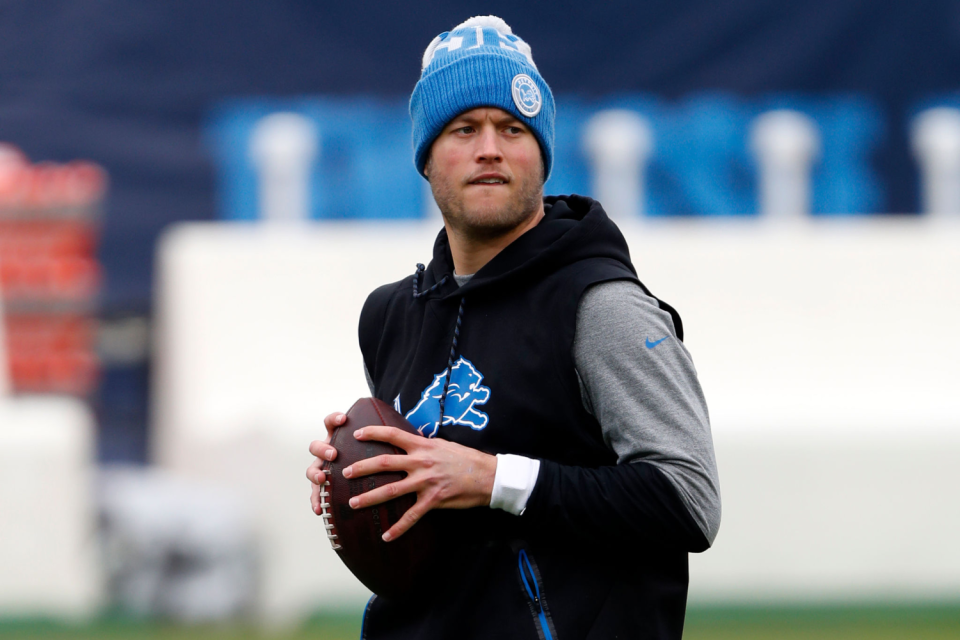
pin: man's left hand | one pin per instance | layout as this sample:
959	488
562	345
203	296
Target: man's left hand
443	474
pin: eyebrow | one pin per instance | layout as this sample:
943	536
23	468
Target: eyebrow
507	119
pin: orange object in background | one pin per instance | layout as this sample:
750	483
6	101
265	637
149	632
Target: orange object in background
49	273
52	353
74	186
49	260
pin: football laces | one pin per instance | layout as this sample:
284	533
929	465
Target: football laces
326	515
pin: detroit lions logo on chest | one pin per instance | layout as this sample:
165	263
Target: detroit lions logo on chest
463	395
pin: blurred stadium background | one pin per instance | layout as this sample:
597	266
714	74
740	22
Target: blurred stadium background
195	198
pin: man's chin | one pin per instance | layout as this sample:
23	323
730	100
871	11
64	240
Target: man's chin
489	223
488	200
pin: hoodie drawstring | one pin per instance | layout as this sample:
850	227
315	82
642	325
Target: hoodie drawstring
456	331
416	282
453	354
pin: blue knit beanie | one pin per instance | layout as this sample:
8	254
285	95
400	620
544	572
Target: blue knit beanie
480	63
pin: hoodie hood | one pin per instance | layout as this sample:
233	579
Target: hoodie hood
573	228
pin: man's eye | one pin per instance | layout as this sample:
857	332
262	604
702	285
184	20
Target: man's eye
514	130
467	129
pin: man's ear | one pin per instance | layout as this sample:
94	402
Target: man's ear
426	168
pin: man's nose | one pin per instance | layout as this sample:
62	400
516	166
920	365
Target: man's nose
488	146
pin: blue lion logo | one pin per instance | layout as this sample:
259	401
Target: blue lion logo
526	95
463	394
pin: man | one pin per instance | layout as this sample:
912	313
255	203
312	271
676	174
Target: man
567	440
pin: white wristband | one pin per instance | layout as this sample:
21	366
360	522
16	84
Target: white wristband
513	483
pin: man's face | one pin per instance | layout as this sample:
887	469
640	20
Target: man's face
486	173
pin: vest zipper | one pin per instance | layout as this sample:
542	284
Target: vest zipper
529	576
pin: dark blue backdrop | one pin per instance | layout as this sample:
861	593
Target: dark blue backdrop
129	84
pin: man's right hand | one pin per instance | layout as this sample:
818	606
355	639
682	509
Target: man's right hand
322	452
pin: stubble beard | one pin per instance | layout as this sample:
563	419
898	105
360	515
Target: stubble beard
487	221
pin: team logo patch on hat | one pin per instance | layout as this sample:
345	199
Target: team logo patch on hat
526	95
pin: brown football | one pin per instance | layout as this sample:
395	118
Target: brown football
389	569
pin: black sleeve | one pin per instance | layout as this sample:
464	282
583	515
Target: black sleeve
627	502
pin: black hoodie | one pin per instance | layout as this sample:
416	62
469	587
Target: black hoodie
601	550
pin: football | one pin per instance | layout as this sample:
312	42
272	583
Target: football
389	569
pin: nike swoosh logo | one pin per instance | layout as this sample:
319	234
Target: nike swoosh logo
651	345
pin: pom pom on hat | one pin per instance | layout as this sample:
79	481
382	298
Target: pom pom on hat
494	22
480	63
477	21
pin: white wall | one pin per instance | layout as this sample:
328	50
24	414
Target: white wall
49	560
835	516
827	349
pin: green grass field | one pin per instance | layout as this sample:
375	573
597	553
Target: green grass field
722	623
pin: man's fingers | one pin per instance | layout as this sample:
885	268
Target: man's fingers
321	449
333	421
391	435
378	464
382	494
315	473
407	520
315	499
